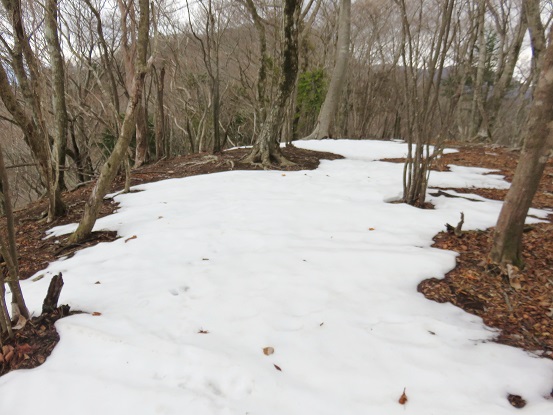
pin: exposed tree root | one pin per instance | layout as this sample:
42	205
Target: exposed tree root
267	159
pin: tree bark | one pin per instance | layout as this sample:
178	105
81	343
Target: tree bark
507	242
330	105
26	69
537	36
58	86
110	167
159	120
266	149
479	122
50	302
502	84
8	246
141	153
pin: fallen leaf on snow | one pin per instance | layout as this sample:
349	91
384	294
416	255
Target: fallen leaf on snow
201	331
277	368
96	313
516	400
132	237
403	398
268	350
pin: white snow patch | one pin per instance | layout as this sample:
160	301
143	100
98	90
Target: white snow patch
314	264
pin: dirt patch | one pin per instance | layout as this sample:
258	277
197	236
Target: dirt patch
31	345
522	309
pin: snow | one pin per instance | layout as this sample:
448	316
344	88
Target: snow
315	264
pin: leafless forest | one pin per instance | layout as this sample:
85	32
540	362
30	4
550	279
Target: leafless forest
425	70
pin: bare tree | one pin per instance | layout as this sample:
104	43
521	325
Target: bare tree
266	149
423	56
8	250
26	67
507	241
58	84
159	115
110	167
332	99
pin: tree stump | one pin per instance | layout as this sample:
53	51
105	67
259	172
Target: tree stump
54	290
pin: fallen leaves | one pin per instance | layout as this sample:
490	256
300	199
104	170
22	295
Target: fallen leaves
516	400
515	277
267	351
7	353
517	301
96	313
403	398
202	331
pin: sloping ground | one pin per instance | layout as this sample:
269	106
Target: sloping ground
523	310
212	269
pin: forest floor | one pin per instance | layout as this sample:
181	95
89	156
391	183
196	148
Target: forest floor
522	308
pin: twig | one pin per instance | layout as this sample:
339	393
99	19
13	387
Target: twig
508	302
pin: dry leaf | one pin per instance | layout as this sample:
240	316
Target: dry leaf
1	358
268	350
201	331
132	237
371	229
8	356
277	368
403	398
6	349
24	349
515	278
96	313
516	400
283	175
21	321
97	282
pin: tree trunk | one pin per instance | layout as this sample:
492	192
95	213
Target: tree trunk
26	69
110	167
502	85
265	61
537	36
332	99
8	246
159	116
141	153
266	149
507	242
58	86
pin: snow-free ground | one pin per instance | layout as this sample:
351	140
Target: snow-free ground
211	269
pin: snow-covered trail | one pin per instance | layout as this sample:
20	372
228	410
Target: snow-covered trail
314	264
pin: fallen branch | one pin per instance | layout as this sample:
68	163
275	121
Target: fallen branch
457	230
